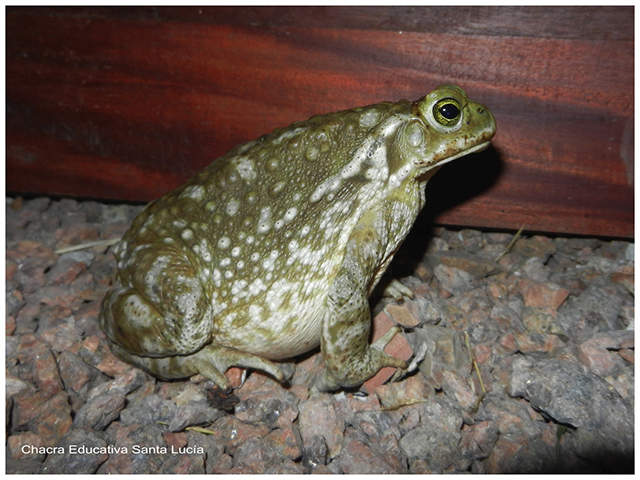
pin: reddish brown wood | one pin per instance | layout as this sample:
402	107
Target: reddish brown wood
125	104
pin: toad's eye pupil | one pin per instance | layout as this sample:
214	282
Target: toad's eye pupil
449	111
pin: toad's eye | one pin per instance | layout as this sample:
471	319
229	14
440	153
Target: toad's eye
447	112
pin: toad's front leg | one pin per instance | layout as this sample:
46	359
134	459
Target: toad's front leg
348	357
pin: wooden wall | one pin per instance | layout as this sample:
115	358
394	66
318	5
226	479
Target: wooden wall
126	103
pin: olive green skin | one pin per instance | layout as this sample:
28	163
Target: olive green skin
275	247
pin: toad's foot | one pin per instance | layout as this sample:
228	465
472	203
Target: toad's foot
211	362
397	291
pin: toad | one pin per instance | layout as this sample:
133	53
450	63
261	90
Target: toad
274	248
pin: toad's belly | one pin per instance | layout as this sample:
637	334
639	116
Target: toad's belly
272	334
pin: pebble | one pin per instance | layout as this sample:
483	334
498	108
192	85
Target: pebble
548	386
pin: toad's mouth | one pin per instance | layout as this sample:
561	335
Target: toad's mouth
477	148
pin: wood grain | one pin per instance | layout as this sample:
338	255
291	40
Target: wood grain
126	103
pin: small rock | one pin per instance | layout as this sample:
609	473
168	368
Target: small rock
124	384
193	413
630	253
536	246
559	388
453	280
69	266
542	295
596	354
100	411
151	409
401	315
287	442
538	342
47	416
478	440
534	269
462	388
474	265
512	456
318	417
510	416
541	320
254	456
20	446
628	355
436	439
271	405
444	352
315	451
141	449
358	457
74	460
594	310
414	389
233	433
625	280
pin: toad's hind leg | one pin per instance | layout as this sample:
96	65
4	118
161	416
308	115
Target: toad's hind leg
211	362
161	320
161	308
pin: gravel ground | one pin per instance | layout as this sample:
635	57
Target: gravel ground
549	326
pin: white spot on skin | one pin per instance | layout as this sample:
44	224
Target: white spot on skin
228	320
195	192
217	277
396	179
256	287
204	249
255	312
224	243
264	222
151	278
245	169
288	134
290	214
235	251
187	302
369	119
238	286
232	207
318	193
137	312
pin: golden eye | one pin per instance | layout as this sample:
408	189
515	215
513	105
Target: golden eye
447	112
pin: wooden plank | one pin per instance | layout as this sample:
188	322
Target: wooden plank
580	22
127	103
